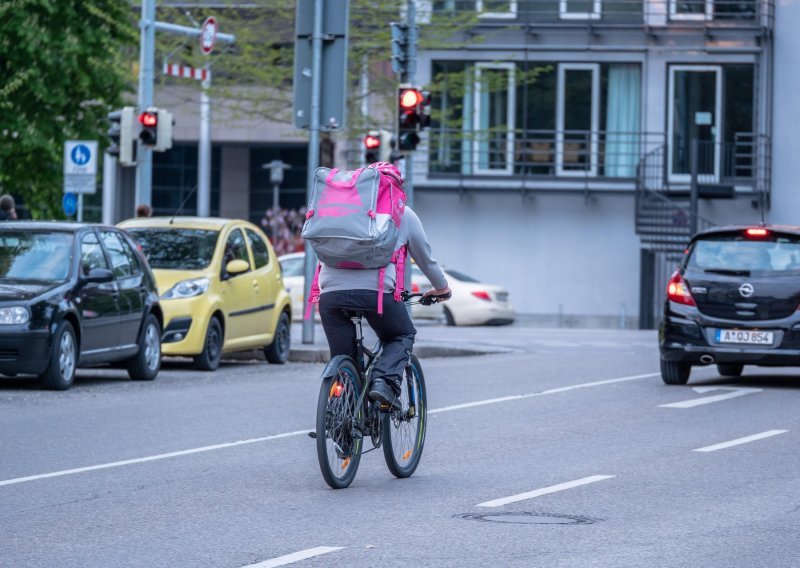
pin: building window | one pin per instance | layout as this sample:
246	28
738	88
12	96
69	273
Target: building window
712	9
175	180
563	119
579	9
484	8
493	118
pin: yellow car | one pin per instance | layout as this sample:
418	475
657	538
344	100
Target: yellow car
220	287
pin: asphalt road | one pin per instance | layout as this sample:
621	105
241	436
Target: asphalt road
564	450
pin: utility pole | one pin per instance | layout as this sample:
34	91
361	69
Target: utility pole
147	49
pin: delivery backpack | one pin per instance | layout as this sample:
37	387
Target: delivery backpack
353	221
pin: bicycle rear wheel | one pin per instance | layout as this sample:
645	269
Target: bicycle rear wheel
338	442
404	430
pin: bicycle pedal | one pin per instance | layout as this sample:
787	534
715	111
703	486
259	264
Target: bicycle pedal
312	435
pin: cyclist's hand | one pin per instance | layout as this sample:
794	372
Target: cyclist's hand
445	293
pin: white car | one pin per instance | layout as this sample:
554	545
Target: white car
292	266
473	302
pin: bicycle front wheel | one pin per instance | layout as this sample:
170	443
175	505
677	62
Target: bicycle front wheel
338	441
404	430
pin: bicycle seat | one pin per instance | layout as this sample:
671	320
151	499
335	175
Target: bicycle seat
354	313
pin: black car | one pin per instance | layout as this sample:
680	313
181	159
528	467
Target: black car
75	295
733	302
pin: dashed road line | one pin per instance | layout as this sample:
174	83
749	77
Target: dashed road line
740	441
301	432
295	557
544	491
734	392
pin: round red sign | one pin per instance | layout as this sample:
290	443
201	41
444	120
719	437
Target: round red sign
208	35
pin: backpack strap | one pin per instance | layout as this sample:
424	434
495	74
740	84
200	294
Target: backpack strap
399	259
313	297
381	278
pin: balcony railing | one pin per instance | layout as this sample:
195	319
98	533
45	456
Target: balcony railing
732	13
596	155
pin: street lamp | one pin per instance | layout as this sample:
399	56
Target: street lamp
275	168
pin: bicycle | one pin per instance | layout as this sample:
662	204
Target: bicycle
345	416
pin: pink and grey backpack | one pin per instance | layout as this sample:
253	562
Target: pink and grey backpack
353	221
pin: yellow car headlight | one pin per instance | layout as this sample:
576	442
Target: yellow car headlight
187	289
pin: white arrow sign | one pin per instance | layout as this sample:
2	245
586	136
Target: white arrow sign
733	392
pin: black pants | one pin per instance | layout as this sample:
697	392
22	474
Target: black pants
393	327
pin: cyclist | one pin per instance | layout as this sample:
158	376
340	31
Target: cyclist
346	289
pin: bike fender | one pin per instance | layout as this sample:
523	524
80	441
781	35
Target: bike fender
330	368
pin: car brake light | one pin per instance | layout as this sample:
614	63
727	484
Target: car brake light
481	295
755	233
678	291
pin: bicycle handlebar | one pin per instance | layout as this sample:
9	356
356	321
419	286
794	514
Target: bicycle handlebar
426	300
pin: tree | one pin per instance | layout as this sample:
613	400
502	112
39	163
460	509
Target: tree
64	65
254	76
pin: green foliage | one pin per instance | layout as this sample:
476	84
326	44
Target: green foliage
64	67
255	75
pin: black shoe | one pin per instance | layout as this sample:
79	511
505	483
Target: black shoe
381	391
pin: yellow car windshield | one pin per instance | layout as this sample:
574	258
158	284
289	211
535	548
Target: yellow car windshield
176	248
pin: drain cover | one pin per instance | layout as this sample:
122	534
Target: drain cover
530	518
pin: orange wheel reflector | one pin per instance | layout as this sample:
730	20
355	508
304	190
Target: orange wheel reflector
345	463
406	455
336	390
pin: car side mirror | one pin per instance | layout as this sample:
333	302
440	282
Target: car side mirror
99	276
237	266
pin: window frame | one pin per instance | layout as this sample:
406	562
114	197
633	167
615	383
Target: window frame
595	14
706	16
110	256
511	14
224	272
595	119
510	68
255	236
681	177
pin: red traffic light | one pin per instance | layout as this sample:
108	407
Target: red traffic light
148	119
410	98
371	141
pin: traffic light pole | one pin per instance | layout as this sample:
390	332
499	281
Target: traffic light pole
313	153
410	77
147	56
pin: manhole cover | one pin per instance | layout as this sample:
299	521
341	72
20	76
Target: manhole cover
530	518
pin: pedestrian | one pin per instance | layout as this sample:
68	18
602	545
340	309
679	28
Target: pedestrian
8	211
144	210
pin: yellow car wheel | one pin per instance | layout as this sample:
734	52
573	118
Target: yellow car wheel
209	359
277	352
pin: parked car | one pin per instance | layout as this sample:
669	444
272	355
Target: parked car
75	295
292	267
473	303
733	302
220	285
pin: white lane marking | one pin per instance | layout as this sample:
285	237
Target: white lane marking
301	432
295	557
151	458
738	441
544	491
735	392
540	393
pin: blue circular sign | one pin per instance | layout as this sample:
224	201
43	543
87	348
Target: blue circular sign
81	154
70	204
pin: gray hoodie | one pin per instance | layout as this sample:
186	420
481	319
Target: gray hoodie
411	233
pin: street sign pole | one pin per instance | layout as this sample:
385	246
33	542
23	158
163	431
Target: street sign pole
313	153
204	150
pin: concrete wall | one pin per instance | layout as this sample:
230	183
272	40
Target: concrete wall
568	260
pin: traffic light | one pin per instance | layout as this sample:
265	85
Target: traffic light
372	147
378	146
399	47
156	129
409	117
122	132
149	121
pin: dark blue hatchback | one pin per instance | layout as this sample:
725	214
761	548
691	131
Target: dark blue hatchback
733	302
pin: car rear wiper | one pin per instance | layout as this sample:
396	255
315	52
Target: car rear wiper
732	272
